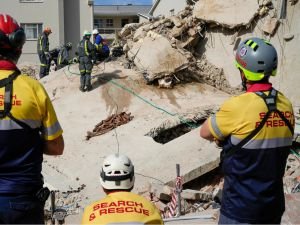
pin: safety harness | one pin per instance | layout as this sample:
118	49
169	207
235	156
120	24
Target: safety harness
8	94
270	101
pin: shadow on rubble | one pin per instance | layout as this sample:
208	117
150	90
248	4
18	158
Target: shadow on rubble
104	78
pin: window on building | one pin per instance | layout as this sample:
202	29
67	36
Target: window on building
109	22
124	22
172	12
98	23
32	30
31	1
135	20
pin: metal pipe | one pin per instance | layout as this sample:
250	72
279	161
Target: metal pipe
150	18
283	9
178	190
201	217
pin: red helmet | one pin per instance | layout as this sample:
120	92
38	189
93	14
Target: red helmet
12	37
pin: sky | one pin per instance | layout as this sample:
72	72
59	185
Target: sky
122	2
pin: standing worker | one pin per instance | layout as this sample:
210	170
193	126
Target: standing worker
256	132
43	52
86	57
120	206
29	129
63	58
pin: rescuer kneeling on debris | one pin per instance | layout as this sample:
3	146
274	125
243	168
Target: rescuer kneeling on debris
120	205
86	56
29	129
256	132
63	58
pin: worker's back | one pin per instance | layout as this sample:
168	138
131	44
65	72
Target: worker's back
122	207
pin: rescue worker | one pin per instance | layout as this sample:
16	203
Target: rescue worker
256	132
101	46
120	206
29	129
63	58
105	50
43	52
86	57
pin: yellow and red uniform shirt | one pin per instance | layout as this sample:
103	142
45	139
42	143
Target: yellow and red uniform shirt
253	187
21	150
122	207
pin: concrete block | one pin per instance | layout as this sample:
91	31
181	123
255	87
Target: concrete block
196	195
270	25
162	192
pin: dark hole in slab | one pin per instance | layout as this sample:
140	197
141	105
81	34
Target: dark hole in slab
167	135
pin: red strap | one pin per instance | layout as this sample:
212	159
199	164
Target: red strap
259	87
7	65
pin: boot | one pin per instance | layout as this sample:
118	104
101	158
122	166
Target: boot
82	81
89	87
88	82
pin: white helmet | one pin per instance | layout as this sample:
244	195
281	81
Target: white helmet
95	31
117	172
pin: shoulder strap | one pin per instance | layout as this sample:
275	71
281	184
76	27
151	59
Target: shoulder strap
8	84
270	101
8	92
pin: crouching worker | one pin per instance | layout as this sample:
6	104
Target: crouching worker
120	206
63	58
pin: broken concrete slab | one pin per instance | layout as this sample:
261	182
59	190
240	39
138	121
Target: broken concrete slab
156	55
292	205
270	25
190	194
128	28
177	21
220	12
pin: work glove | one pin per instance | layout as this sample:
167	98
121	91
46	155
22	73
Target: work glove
75	60
48	55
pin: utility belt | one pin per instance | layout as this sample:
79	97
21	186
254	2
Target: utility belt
40	194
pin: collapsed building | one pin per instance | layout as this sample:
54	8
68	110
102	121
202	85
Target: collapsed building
198	45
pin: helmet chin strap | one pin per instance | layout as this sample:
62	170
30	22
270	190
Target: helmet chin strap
244	80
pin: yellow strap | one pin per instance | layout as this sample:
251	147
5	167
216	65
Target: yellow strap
86	48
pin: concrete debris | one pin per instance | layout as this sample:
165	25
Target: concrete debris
129	28
293	2
288	37
157	56
165	82
189	194
68	201
292	205
110	123
29	70
270	25
218	12
177	21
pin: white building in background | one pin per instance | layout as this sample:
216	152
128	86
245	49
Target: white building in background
67	19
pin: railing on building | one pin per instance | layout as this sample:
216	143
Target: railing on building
109	30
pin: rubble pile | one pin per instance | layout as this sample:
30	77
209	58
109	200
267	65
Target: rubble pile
30	70
168	51
206	194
